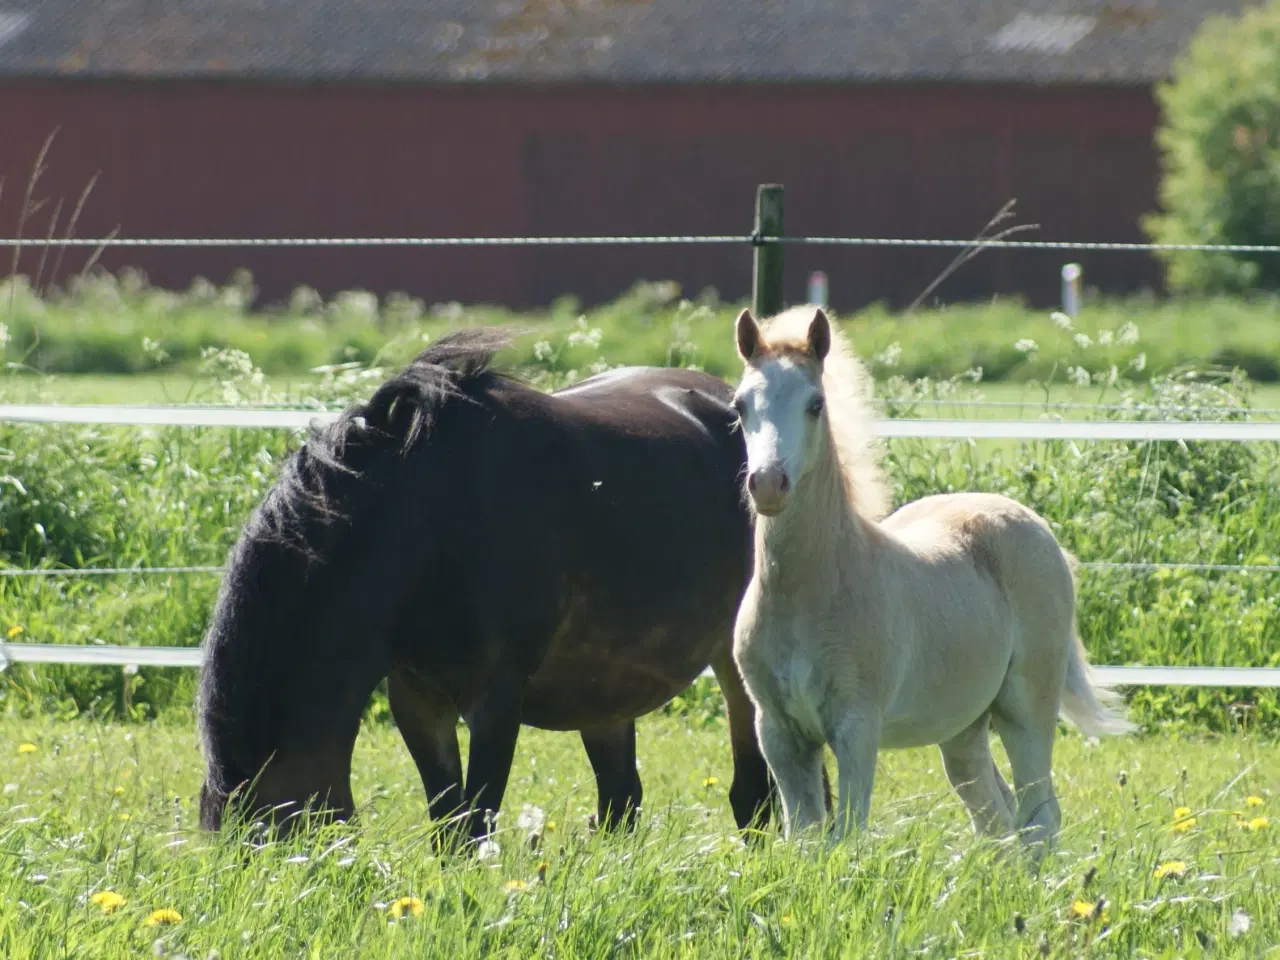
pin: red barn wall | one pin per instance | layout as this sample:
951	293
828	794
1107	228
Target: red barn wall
232	159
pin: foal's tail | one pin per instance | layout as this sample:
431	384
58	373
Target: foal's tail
1087	702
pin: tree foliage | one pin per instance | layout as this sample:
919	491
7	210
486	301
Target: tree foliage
1220	152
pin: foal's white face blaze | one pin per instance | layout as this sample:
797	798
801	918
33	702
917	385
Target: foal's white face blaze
781	407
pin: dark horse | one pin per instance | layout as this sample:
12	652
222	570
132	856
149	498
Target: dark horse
569	561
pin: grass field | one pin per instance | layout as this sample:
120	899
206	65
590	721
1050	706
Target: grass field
106	811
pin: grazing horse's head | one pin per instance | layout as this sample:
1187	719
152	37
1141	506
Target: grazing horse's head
781	406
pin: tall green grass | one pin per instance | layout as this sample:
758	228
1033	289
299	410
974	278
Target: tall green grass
76	496
107	811
100	322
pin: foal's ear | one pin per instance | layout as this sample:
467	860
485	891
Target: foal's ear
819	335
748	335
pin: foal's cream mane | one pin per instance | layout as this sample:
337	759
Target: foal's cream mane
847	386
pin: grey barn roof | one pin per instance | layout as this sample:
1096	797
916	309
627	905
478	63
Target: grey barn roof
609	41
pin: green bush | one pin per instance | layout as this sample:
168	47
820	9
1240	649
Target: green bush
1220	144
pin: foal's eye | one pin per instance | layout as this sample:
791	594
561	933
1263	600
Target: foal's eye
814	406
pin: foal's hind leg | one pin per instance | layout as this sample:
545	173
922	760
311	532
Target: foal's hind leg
429	726
612	752
973	773
1027	724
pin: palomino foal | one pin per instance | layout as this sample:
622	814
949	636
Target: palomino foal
954	614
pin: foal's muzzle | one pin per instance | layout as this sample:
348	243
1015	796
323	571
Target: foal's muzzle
768	487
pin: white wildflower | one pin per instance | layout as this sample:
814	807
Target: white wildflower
542	350
889	356
1128	334
1104	338
4	336
585	336
1079	376
1061	320
1026	346
1082	341
1138	363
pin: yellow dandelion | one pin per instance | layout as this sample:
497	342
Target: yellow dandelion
710	781
1171	868
126	816
1257	823
116	791
26	748
14	631
1253	801
1084	910
549	827
163	917
405	905
108	901
1182	826
1181	812
786	919
543	867
516	885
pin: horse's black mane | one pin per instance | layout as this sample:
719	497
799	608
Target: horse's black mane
400	413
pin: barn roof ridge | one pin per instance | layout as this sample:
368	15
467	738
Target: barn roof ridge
605	41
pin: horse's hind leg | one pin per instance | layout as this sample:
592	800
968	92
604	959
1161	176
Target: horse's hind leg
751	794
612	752
973	773
429	726
1027	725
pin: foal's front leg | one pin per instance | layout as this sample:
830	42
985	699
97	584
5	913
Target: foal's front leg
855	740
796	763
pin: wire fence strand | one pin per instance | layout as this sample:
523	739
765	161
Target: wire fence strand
660	240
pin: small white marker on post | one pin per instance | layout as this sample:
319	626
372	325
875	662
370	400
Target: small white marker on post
818	288
1071	275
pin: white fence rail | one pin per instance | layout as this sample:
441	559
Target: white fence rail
193	656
